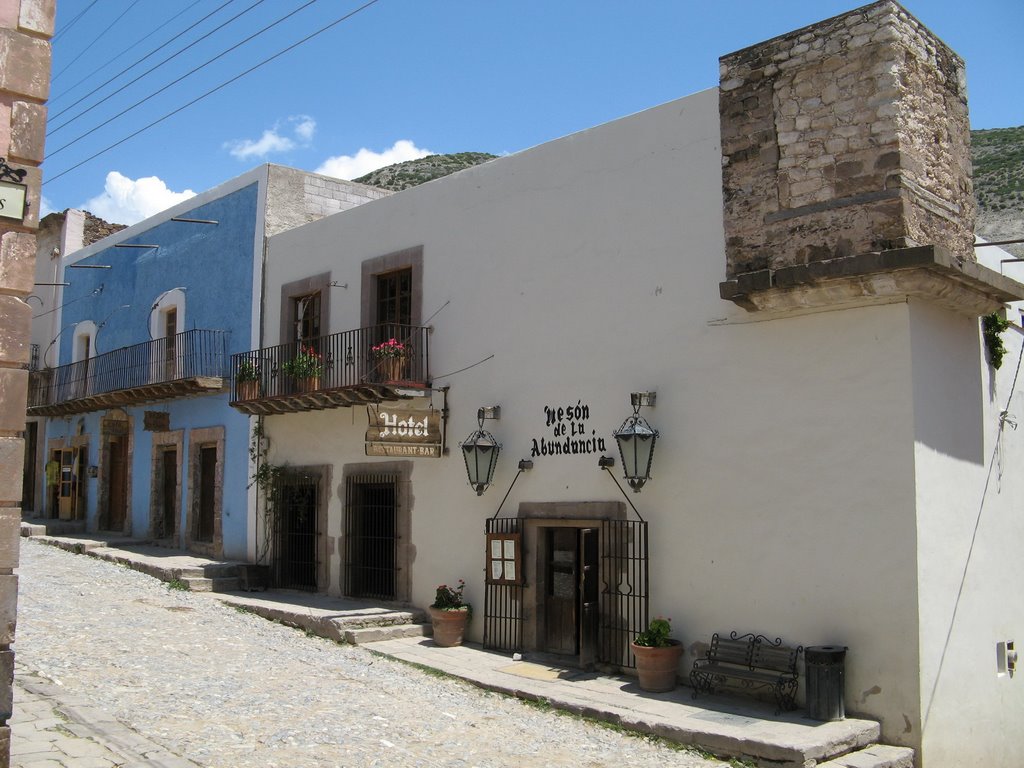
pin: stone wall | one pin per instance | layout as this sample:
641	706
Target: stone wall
845	137
297	197
26	27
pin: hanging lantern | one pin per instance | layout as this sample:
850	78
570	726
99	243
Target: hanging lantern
480	450
636	440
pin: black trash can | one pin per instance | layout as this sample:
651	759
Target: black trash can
826	670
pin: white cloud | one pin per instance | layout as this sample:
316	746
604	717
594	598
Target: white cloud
274	139
366	160
45	206
127	201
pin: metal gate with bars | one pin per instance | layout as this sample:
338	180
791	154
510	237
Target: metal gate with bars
295	563
371	536
624	598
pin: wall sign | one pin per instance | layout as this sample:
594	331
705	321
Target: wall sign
12	192
156	421
570	434
404	432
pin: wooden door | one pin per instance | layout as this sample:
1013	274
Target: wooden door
207	492
561	603
67	485
169	488
171	351
117	483
589	595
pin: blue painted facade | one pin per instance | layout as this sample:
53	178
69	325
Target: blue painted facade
212	266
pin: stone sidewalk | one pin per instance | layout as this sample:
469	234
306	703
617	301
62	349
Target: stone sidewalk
724	726
52	729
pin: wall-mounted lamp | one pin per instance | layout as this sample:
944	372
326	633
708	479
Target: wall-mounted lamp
636	439
480	450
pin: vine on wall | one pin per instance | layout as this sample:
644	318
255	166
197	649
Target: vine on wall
991	327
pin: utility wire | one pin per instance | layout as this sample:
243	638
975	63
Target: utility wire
138	42
150	70
96	39
71	23
214	90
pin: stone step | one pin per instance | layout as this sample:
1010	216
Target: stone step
874	756
204	584
391	632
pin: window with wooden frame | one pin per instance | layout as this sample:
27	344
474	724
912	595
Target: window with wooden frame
504	558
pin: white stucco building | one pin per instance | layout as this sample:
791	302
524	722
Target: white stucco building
837	463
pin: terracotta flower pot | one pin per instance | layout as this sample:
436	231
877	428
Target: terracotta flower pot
307	384
248	390
658	668
393	368
449	626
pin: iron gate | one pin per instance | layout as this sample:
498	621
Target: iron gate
624	603
295	535
371	536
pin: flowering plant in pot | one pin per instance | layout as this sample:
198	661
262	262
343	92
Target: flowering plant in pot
305	368
657	656
390	357
449	614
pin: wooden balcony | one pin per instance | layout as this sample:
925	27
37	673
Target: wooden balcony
343	371
187	364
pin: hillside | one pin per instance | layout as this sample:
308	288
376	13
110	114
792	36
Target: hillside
413	172
998	156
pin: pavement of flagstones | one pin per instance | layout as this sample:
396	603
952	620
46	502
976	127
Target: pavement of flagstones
51	728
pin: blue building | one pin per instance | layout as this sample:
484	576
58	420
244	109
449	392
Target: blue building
139	437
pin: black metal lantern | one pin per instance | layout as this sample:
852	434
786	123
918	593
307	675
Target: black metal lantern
636	439
480	450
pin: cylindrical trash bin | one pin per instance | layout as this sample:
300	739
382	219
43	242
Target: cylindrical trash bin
825	665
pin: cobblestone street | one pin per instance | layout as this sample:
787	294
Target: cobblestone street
225	688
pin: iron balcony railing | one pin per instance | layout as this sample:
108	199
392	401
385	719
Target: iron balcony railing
33	360
184	356
336	362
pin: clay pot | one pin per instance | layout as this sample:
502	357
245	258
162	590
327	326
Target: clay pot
449	626
658	668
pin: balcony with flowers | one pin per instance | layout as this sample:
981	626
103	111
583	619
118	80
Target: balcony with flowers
367	365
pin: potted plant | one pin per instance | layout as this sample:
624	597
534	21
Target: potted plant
657	656
390	356
306	368
247	377
449	615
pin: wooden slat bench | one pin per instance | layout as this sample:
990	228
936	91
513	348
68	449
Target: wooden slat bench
752	660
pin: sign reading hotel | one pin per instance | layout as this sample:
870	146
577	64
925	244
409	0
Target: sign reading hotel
404	433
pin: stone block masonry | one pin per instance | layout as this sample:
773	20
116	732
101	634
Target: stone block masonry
849	136
26	27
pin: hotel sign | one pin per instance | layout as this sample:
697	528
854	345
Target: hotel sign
404	433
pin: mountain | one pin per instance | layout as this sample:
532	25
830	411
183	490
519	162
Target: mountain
413	172
998	156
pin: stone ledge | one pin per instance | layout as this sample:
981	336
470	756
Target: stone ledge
927	272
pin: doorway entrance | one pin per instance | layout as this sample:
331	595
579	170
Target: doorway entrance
117	482
371	535
295	564
168	493
571	592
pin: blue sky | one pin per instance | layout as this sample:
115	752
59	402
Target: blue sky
402	78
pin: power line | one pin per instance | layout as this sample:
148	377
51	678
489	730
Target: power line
148	71
214	90
133	45
71	23
96	39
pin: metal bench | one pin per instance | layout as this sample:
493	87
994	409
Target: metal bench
753	661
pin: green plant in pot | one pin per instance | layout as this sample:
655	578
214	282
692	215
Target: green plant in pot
449	614
657	656
247	378
306	366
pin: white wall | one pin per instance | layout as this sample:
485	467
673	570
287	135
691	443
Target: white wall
784	489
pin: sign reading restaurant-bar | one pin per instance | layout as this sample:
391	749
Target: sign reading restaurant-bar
404	433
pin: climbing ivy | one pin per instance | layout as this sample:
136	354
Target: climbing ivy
991	328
